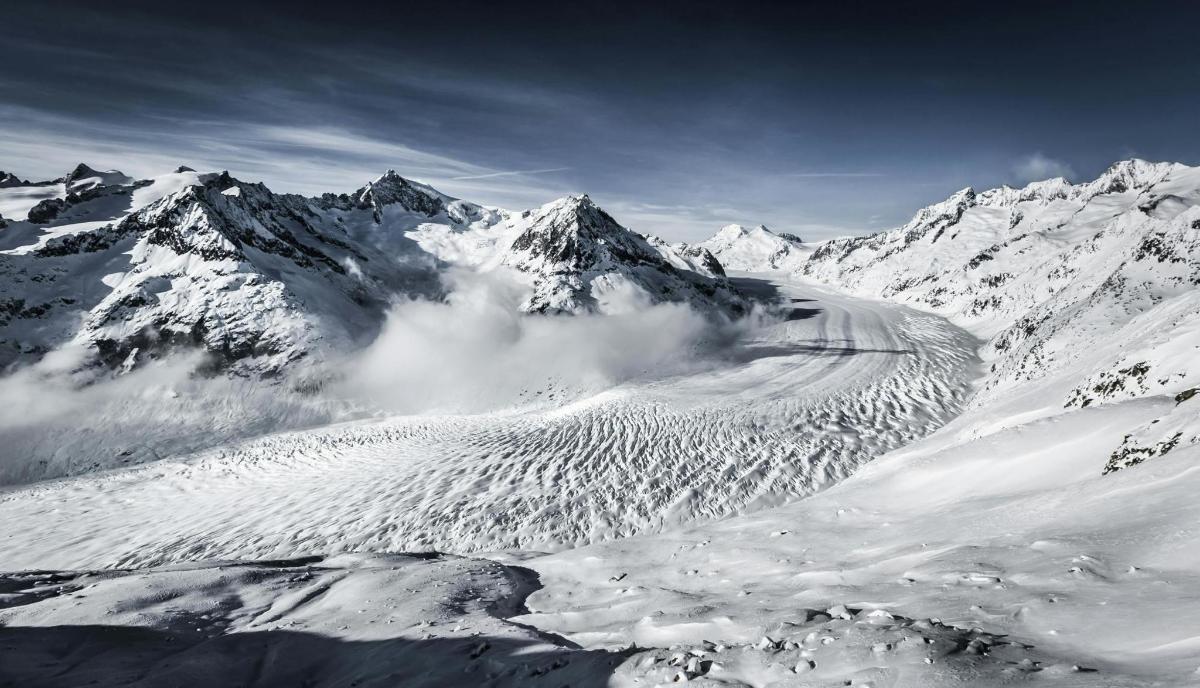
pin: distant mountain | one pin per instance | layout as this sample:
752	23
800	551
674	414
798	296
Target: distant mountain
125	270
576	256
756	249
7	179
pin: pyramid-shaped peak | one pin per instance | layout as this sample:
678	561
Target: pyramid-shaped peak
390	189
571	202
578	210
83	171
10	179
390	177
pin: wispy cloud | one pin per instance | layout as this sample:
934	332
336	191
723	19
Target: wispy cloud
299	159
509	173
699	222
834	175
1037	167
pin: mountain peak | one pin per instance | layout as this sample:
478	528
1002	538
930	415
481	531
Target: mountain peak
390	188
570	202
735	230
570	229
390	177
954	203
576	214
85	177
1136	166
571	242
754	249
80	171
1133	173
9	179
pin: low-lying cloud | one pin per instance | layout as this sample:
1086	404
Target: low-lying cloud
476	351
52	426
473	353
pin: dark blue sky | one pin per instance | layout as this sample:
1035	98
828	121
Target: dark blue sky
820	119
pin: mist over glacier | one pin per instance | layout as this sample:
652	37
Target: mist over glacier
471	352
475	351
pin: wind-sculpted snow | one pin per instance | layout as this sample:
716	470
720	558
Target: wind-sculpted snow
799	406
1074	578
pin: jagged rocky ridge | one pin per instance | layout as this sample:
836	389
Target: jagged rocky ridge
123	271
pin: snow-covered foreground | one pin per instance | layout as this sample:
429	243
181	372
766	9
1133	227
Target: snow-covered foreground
1015	533
354	620
798	406
963	560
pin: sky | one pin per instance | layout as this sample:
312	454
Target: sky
821	119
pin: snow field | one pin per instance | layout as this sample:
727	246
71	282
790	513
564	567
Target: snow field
797	408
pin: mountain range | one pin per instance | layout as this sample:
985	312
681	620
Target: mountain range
1084	293
120	271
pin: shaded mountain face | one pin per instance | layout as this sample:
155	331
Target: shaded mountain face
577	256
8	179
391	192
122	271
1066	282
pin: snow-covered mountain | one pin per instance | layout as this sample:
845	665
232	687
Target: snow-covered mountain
1086	290
127	270
123	270
757	249
578	258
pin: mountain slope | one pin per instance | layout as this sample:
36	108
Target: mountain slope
1084	291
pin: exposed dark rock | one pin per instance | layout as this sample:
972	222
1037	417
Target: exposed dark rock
45	211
